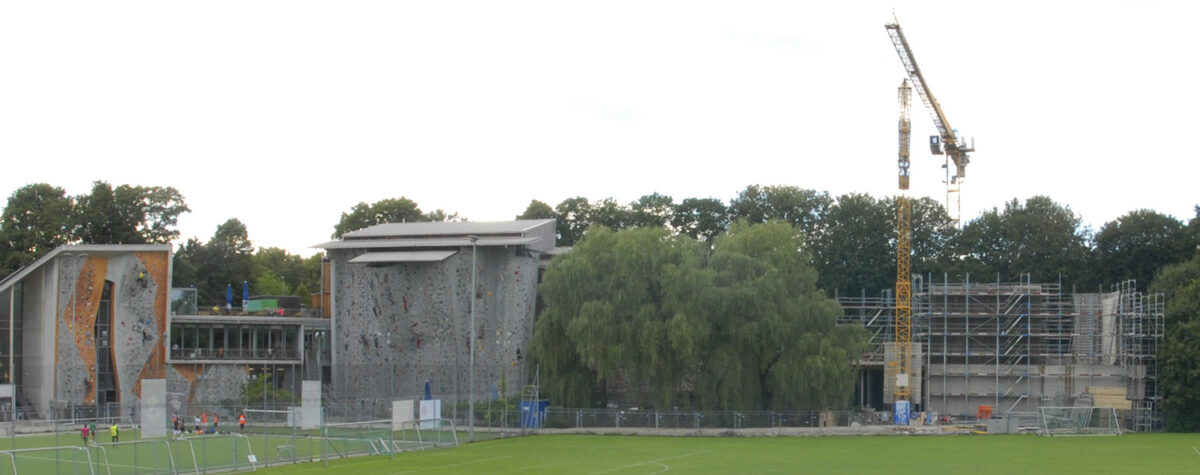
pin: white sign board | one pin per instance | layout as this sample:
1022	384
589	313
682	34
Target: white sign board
902	380
402	414
430	410
6	391
310	404
154	408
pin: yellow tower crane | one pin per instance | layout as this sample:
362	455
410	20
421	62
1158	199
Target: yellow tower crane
956	150
901	390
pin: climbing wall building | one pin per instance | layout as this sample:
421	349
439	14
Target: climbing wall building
400	304
82	326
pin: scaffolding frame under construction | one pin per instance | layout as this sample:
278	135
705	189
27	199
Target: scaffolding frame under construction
1018	346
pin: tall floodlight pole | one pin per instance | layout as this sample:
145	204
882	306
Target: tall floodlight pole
471	359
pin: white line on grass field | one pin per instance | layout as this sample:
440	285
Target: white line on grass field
1196	450
655	461
439	467
664	466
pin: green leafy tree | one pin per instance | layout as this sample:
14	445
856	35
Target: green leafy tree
36	220
700	218
652	211
774	342
857	250
803	208
1193	232
611	302
574	218
1039	237
291	270
672	325
932	239
1138	244
226	259
267	283
610	214
439	215
107	216
185	264
127	214
1179	356
538	210
160	211
391	210
261	389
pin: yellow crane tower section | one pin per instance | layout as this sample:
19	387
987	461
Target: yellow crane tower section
947	140
903	328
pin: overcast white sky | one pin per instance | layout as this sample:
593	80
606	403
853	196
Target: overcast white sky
284	114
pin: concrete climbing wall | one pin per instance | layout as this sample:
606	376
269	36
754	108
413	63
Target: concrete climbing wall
138	324
80	283
398	326
195	388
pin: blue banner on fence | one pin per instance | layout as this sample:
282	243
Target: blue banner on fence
533	413
901	416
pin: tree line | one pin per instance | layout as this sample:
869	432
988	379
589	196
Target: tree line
40	217
587	341
852	237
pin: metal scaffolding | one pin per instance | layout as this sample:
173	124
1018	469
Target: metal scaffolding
1017	346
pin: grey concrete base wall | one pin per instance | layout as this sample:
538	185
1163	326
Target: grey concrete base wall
35	384
400	325
192	389
960	389
889	371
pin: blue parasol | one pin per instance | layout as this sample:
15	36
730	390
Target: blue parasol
428	393
229	294
245	292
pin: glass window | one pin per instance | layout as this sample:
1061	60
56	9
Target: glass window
289	341
204	338
260	342
276	341
176	336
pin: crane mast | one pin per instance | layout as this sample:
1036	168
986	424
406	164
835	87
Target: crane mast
947	140
903	328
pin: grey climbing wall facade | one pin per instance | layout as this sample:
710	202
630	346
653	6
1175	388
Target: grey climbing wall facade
94	328
398	326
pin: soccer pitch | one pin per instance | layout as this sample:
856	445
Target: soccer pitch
66	452
596	454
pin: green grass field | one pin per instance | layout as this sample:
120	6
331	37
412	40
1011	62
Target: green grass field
590	454
66	453
594	454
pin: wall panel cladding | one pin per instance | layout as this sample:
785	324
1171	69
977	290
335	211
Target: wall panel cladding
138	323
74	371
401	325
136	334
192	389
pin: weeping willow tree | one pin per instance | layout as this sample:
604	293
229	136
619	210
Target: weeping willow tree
673	322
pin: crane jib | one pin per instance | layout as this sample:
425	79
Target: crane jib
953	146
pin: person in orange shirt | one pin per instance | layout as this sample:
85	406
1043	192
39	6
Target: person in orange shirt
204	421
216	421
242	422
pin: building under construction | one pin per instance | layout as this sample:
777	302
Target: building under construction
1014	347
